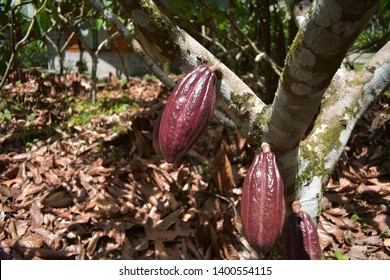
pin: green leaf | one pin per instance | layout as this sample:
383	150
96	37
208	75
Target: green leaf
42	22
28	11
99	23
15	3
340	256
7	114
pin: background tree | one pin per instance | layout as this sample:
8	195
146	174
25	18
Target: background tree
19	20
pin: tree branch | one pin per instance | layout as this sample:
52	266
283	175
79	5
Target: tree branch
346	100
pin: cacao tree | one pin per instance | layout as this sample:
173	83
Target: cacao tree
317	102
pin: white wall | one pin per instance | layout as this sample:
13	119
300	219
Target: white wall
108	62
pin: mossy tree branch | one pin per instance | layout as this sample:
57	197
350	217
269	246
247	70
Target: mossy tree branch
346	100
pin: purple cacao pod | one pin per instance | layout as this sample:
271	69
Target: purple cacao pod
187	113
263	204
300	237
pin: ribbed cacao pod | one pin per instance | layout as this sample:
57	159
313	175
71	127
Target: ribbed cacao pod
263	204
300	237
187	113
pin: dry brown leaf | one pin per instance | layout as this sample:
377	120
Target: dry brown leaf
222	172
337	198
58	198
35	173
368	190
337	211
227	251
164	236
5	191
357	253
382	222
343	222
46	254
52	177
52	240
36	215
370	241
189	214
31	241
332	230
169	220
128	250
93	241
96	168
161	251
62	162
8	183
240	142
21	227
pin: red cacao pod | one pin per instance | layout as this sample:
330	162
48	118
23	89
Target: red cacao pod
263	204
187	113
300	237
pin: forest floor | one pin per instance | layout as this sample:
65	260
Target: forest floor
82	181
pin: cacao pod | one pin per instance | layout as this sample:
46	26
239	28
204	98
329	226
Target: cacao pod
300	237
263	204
187	113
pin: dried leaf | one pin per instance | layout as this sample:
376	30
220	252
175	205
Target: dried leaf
163	235
222	172
21	227
58	198
357	253
8	183
343	223
332	230
228	252
36	215
31	241
35	172
93	242
161	251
